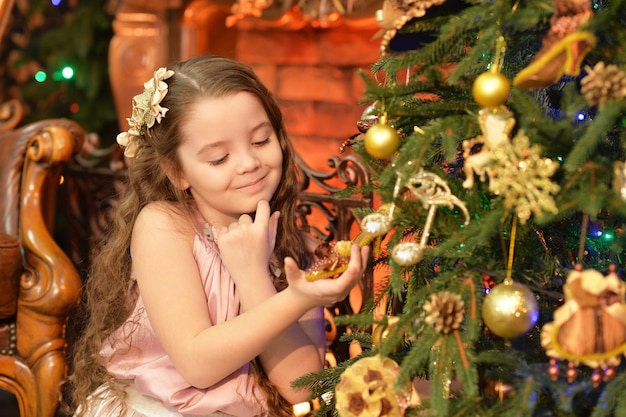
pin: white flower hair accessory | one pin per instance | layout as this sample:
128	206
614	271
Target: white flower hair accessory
146	111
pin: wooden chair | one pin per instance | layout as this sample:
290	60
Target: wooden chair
39	284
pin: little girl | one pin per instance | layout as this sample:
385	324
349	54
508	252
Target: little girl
197	301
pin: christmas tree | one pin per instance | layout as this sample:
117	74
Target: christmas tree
55	56
496	138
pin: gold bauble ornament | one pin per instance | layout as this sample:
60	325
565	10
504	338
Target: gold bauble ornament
381	140
491	89
382	331
510	310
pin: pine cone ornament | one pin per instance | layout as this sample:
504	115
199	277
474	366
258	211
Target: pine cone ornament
602	83
445	311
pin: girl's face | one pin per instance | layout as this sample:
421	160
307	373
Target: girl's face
230	156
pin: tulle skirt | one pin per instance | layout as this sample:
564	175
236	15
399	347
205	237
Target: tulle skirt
103	402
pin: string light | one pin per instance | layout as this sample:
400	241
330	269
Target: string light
301	409
41	76
67	72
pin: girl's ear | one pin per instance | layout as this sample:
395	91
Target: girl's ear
176	176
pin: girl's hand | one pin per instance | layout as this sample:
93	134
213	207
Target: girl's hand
327	291
246	246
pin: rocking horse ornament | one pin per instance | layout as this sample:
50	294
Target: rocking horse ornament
432	191
496	124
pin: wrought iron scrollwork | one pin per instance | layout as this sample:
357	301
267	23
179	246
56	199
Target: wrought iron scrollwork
319	206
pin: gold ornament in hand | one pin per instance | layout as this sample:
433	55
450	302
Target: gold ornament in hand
333	258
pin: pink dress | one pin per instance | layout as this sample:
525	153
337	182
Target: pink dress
152	371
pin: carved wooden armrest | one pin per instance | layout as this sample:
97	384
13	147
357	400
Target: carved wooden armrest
50	285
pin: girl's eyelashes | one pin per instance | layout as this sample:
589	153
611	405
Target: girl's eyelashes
262	142
219	161
225	157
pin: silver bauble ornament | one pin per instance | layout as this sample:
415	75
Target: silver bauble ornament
407	253
376	224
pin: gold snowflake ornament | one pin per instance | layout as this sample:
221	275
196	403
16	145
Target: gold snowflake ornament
515	169
522	177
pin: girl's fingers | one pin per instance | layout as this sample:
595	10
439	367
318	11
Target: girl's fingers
274	225
243	219
363	252
262	213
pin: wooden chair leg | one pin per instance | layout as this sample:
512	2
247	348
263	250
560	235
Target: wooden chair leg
16	378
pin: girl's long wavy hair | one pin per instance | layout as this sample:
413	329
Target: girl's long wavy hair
107	302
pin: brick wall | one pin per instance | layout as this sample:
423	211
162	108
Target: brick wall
312	70
313	74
